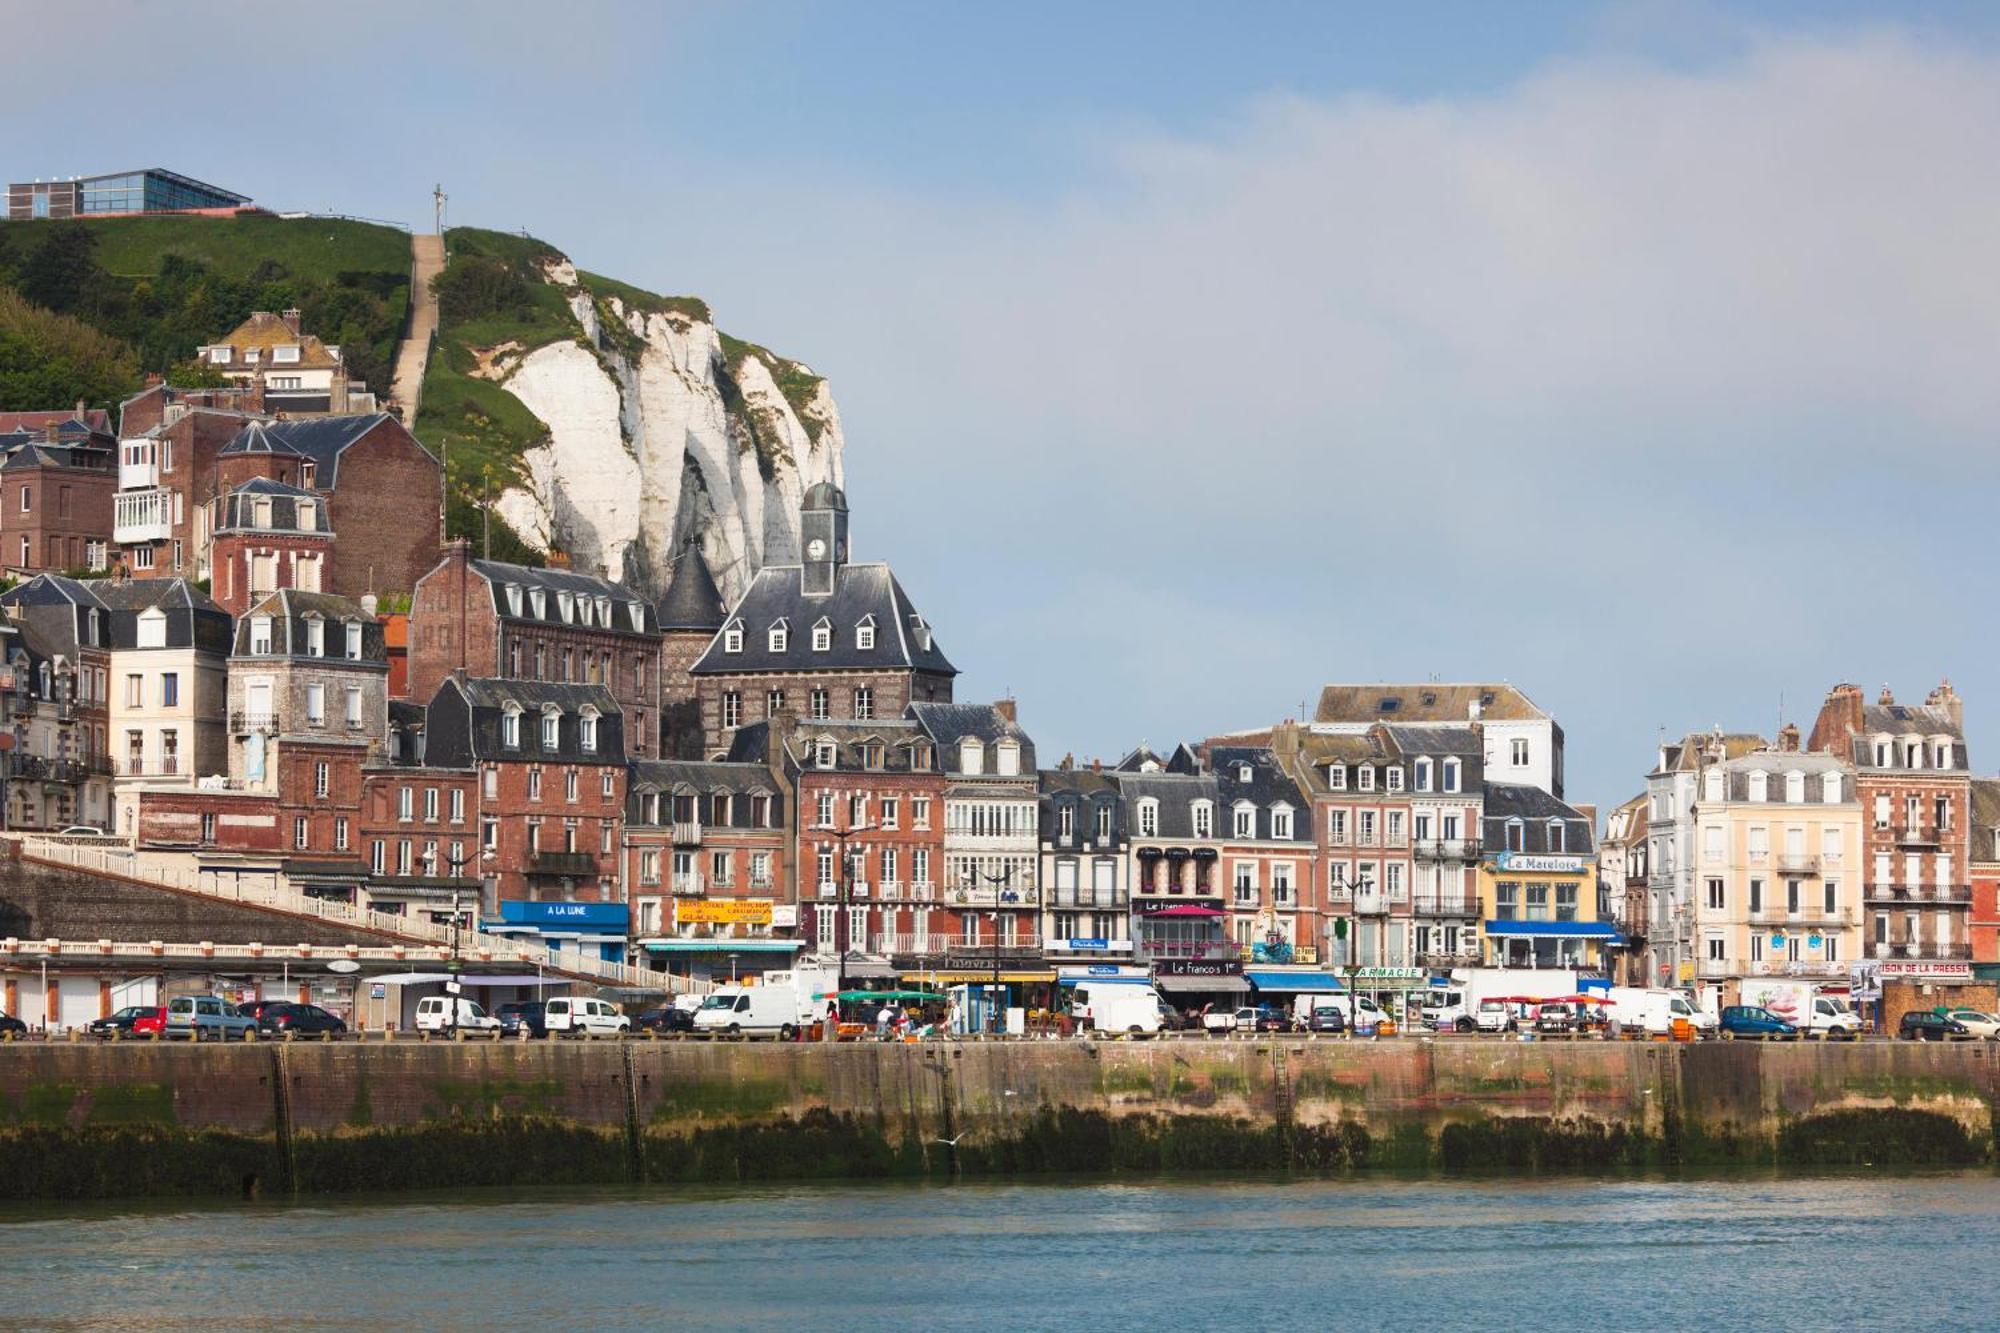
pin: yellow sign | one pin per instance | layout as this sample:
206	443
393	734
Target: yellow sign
723	911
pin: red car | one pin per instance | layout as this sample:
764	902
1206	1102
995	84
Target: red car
152	1023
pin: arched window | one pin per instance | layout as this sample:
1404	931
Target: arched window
551	727
510	727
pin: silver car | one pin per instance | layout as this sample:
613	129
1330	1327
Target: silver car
208	1018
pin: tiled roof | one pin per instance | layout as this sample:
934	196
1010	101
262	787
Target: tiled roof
1425	702
950	724
264	331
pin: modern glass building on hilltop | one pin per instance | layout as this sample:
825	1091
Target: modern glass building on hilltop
154	190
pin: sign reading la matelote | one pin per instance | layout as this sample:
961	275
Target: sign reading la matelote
723	911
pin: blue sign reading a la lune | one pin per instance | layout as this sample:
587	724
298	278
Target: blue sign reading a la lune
595	916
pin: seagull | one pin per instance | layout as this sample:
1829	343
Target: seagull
949	1143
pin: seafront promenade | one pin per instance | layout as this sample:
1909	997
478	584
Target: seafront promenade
80	1120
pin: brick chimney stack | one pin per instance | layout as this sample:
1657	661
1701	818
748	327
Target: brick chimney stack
1947	698
1788	738
1005	708
291	318
1885	699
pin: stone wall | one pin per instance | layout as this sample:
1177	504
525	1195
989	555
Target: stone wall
305	1117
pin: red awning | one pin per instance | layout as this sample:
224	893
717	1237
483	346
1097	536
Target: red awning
1184	909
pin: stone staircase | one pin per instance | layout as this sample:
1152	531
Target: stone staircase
413	354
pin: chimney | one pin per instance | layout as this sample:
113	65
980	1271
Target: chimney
291	318
1947	698
1005	708
1885	698
1097	765
369	603
1788	738
1472	710
1068	764
80	409
558	559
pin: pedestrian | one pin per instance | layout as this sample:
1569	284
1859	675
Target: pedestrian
885	1021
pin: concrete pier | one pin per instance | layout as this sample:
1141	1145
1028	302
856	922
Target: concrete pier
79	1120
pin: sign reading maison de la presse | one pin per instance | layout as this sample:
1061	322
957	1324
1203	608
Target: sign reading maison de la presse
1528	863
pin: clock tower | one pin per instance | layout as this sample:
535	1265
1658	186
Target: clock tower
822	538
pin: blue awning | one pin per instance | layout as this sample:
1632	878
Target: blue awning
1562	930
1294	981
1104	981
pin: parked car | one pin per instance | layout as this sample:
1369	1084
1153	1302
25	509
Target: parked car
1217	1021
575	1015
120	1023
1748	1020
1982	1025
1327	1018
151	1023
668	1019
207	1017
82	831
435	1013
1493	1016
517	1014
1551	1019
305	1020
1172	1019
1927	1026
1271	1020
254	1009
12	1026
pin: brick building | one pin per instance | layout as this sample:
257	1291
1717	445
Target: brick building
59	771
991	827
267	536
690	615
57	477
419	833
825	639
1983	850
1915	785
160	483
1267	856
1086	892
497	621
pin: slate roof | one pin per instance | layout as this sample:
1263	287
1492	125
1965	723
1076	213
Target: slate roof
689	777
860	592
1985	846
1267	786
1687	753
463	725
192	620
94	421
692	601
949	724
1924	720
1176	794
239	508
1440	740
322	439
32	452
58	609
1535	808
1085	790
290	609
555	582
1424	702
898	739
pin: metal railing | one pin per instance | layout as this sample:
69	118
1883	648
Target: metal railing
1446	849
1446	904
124	863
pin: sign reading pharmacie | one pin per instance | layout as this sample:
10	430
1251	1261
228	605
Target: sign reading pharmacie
723	911
1198	967
1527	863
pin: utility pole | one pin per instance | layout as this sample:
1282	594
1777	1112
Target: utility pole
438	196
1004	879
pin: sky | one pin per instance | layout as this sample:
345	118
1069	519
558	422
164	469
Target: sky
1191	356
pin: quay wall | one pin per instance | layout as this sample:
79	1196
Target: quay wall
126	1119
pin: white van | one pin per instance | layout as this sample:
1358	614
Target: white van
753	1011
434	1014
1112	1007
577	1016
1654	1009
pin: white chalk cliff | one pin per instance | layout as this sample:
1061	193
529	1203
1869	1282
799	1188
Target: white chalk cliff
662	430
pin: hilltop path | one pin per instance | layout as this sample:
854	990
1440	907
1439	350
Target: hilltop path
413	353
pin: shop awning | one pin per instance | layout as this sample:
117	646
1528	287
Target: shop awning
469	979
721	946
1561	930
1105	981
1294	981
943	976
1229	985
1183	910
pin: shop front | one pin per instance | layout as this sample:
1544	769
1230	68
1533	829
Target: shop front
1549	944
1180	928
589	930
1191	984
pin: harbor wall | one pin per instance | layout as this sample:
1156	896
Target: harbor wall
128	1119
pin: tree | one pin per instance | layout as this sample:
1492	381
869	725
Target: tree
61	274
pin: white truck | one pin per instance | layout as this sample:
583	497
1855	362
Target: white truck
1457	1007
1116	1007
781	1005
1654	1009
1804	1006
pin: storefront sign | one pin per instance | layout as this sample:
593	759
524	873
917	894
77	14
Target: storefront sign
1390	974
593	916
1924	971
722	911
1199	967
785	916
1526	864
1150	906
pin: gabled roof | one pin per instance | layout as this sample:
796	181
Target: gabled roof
860	591
290	609
949	725
192	620
553	583
322	439
264	331
1425	702
1267	786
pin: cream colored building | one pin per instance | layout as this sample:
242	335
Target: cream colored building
1777	872
169	689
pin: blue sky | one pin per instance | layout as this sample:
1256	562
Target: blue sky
1192	355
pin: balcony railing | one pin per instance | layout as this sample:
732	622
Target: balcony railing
561	863
1804	967
687	833
1805	916
1903	948
687	886
142	516
39	768
1187	948
1798	864
1446	904
245	722
1463	958
1917	836
965	948
138	766
1916	893
1446	849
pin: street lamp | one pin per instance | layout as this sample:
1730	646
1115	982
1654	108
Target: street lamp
973	876
452	985
846	872
1352	964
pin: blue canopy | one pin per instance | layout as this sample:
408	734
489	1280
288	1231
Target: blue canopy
1104	981
1565	930
1294	981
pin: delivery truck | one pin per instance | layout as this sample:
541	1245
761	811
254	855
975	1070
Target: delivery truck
1116	1007
1653	1009
1456	1007
1817	1014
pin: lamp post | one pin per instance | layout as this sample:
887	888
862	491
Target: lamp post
1351	964
846	873
1005	878
453	986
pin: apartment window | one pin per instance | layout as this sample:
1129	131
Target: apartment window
864	702
1366	828
315	638
857	811
404	861
891	811
534	784
920	818
1520	752
551	729
1392	778
27	499
322	777
1717	901
774	703
822	636
1717	949
1103	823
1336	826
1364	777
1393	826
1832	898
1246	881
510	728
1066	822
340	834
889	866
1336	777
1244	822
778	637
354	642
1756	896
490	780
586	732
489	833
301	831
1557	835
817	705
1451	774
406	804
825	811
1507	900
864	634
430	805
1565	902
170	689
732	638
353	707
1149	819
315	704
570	786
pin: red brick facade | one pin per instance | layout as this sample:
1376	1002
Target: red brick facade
386	512
54	517
889	694
884	917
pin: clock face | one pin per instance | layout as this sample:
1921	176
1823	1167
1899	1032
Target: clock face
816	549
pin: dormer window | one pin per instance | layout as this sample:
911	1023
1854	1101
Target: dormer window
822	635
586	730
260	635
781	635
1516	836
218	356
514	600
551	727
1281	820
354	641
637	612
308	516
566	605
1421	770
1243	772
971	755
1336	777
824	753
315	637
1881	752
250	355
1760	784
1557	834
1452	771
732	637
510	727
920	757
1711	785
604	611
1944	759
1149	818
1243	817
1392	777
285	354
1364	777
1795	788
1202	815
921	633
260	512
1830	789
538	603
1007	758
864	633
